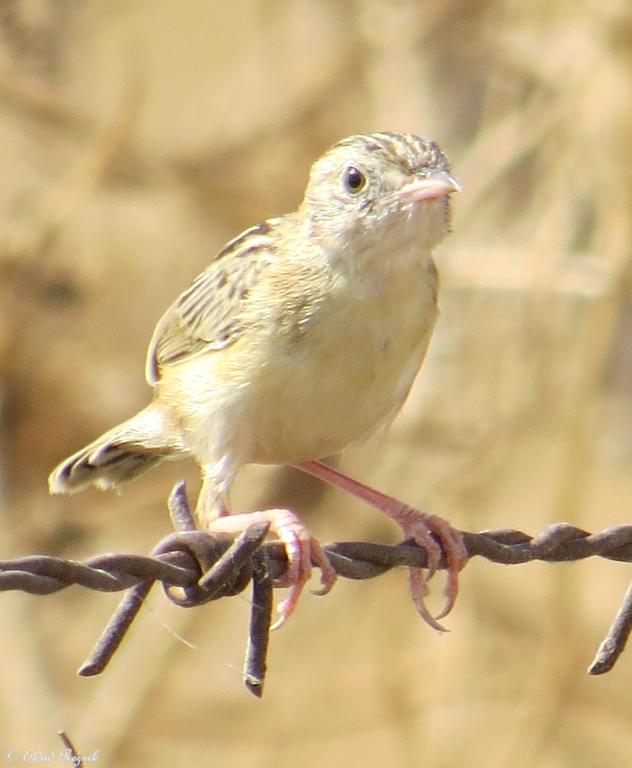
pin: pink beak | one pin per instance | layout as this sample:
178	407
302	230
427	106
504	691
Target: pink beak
437	184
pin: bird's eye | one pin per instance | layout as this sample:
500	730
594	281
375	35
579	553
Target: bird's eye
354	180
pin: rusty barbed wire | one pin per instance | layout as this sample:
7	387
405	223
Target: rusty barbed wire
70	755
195	567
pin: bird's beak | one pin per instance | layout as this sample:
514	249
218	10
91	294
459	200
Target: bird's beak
437	184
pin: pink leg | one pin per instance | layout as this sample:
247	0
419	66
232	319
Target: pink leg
301	547
416	525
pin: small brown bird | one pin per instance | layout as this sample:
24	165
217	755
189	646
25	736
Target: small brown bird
303	336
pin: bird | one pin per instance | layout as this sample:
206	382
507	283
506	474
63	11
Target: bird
303	336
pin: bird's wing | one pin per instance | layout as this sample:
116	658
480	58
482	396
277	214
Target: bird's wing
209	314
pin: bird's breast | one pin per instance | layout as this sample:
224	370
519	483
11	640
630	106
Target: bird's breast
341	366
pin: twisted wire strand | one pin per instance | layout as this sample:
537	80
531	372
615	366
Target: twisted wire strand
195	567
178	560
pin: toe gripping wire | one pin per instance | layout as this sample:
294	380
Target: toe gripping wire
196	567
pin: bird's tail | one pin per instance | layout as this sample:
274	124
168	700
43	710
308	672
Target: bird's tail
125	452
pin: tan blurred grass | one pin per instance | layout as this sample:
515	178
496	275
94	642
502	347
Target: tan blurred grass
135	138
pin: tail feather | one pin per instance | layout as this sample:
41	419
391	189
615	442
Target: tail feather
124	453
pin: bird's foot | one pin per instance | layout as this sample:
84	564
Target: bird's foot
301	548
434	534
425	530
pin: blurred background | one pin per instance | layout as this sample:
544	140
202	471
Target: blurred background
136	137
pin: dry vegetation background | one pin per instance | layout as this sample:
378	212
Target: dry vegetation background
135	138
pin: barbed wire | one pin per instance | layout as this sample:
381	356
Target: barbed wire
195	567
70	755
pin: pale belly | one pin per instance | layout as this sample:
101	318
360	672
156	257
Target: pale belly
346	377
318	410
272	399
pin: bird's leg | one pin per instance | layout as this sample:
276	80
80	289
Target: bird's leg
419	526
301	548
213	497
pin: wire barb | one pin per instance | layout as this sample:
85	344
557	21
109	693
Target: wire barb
614	643
260	622
195	567
75	759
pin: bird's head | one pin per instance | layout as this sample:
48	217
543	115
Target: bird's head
380	187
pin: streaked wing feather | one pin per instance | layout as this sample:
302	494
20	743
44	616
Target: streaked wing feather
208	315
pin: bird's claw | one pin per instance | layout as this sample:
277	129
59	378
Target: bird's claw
301	548
424	530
